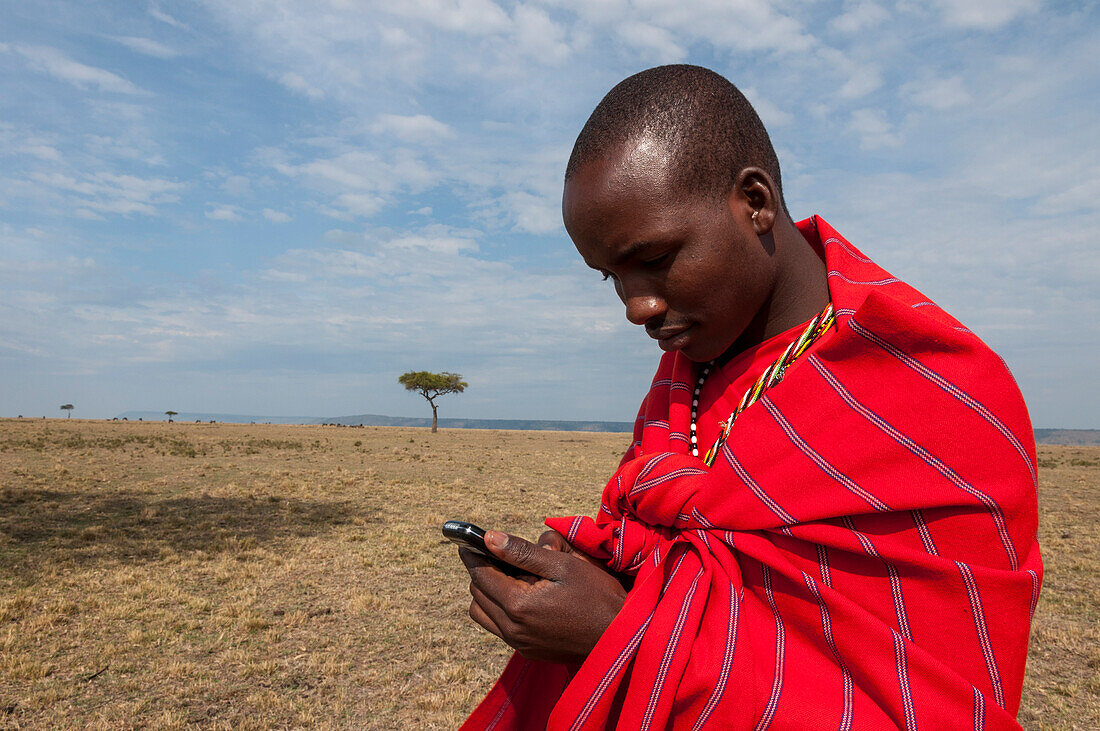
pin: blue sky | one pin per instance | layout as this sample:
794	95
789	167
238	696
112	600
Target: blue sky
277	207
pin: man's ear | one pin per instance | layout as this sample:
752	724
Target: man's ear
755	196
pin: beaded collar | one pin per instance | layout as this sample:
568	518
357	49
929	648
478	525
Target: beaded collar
772	375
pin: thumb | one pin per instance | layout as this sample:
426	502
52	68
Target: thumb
521	553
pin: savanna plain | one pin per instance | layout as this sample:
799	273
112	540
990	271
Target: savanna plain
159	575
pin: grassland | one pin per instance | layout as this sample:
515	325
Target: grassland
231	576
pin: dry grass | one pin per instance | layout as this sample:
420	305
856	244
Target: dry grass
1062	689
291	576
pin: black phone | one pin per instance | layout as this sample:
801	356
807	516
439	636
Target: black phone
468	535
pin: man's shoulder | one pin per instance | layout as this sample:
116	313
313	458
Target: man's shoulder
857	283
888	328
897	320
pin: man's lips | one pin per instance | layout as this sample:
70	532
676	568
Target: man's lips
670	338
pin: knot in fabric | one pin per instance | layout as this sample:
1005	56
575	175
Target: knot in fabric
646	506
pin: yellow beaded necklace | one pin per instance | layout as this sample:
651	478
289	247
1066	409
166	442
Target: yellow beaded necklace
772	375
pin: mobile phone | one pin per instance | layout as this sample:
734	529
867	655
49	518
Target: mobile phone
468	535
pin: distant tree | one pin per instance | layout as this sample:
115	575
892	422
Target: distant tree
170	414
431	386
69	409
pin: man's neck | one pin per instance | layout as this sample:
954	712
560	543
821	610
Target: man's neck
801	289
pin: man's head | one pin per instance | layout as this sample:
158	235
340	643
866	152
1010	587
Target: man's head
702	119
672	191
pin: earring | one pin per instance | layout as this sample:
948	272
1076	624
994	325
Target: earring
754	215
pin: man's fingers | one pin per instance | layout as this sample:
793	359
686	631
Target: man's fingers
492	608
485	609
554	541
478	615
523	554
471	559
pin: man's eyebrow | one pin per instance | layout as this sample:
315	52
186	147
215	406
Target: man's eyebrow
632	250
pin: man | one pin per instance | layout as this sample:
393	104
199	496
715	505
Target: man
827	517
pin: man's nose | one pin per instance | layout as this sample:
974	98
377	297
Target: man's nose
642	308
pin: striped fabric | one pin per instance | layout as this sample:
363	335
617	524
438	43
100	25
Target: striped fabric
862	554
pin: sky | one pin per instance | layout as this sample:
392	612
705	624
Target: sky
276	207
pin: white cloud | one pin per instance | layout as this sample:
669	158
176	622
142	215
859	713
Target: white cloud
538	36
166	18
396	37
859	16
417	128
987	14
276	216
121	132
1081	194
42	152
147	46
295	82
430	284
362	170
224	212
874	130
730	25
657	41
88	215
533	213
236	185
435	238
56	64
770	114
360	181
350	51
359	204
938	94
858	78
862	80
472	17
107	193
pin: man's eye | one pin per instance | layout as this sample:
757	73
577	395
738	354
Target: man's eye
655	262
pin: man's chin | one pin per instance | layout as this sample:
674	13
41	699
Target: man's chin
700	352
697	354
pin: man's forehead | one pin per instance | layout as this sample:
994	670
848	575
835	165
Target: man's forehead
640	164
641	157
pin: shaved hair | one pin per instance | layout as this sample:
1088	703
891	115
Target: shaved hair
703	120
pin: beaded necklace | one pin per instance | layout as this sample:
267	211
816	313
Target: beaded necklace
772	375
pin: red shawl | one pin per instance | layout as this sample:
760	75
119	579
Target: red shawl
862	554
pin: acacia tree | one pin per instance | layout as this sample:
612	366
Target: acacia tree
68	408
431	386
170	414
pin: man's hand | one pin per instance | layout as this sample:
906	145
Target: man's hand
560	613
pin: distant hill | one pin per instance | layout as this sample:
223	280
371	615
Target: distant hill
220	418
1070	437
521	424
379	420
